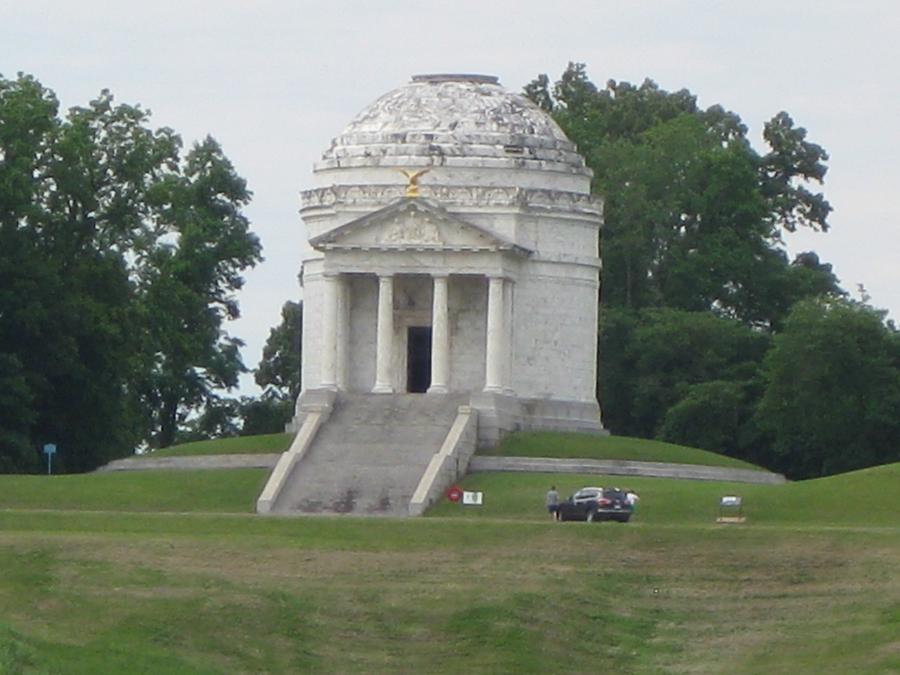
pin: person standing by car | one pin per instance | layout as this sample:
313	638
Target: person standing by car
552	502
632	498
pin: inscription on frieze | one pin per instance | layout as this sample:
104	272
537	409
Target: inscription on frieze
451	195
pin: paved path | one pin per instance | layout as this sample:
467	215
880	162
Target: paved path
615	467
241	461
611	467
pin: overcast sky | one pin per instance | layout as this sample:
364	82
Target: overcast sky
274	82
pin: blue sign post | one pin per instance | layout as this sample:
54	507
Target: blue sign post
49	450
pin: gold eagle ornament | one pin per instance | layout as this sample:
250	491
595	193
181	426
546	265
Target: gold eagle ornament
412	188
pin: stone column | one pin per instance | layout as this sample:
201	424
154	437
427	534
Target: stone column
508	288
384	351
495	353
343	332
331	290
440	338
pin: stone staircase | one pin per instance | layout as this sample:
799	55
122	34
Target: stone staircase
368	458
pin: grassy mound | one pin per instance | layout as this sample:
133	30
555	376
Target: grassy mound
262	444
590	446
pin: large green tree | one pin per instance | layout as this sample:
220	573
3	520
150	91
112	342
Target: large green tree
695	274
833	389
115	253
693	215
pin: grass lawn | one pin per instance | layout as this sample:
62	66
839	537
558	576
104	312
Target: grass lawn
222	490
262	444
809	584
591	446
861	498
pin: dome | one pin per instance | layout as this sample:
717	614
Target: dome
454	120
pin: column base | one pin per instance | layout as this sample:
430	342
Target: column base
438	389
382	389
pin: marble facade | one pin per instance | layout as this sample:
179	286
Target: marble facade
481	279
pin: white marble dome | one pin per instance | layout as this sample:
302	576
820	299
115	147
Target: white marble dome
451	120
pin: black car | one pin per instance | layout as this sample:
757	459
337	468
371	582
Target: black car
595	504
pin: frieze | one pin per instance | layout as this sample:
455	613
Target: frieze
411	230
350	195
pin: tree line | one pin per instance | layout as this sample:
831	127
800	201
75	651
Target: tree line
709	334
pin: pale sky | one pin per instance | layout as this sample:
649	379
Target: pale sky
274	82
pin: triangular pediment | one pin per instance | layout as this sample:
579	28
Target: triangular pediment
413	223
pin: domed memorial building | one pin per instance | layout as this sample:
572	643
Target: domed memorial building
450	295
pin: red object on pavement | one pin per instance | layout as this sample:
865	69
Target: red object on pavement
454	494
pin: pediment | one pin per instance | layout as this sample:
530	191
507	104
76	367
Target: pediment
414	224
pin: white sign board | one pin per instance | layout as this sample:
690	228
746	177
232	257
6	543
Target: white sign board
473	498
730	501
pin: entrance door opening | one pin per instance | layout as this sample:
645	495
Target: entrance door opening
418	359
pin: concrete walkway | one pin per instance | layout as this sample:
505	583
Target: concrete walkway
610	467
241	461
623	468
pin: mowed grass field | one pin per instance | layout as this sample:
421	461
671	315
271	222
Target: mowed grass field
169	572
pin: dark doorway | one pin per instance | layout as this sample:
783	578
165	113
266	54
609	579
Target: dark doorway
418	359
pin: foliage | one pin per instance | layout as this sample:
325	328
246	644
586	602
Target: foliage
662	355
696	280
714	415
279	369
833	389
119	259
265	415
692	213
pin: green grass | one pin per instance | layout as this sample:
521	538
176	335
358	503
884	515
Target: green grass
262	444
222	490
101	575
179	593
862	498
590	446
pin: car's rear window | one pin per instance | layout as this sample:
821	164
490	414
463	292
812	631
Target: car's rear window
586	493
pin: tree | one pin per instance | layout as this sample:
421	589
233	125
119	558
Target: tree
695	276
692	213
188	289
832	389
279	369
114	253
16	453
663	355
278	373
